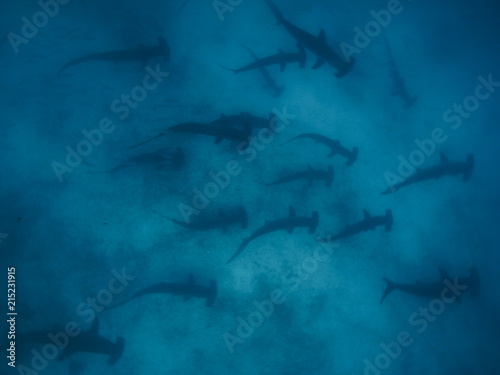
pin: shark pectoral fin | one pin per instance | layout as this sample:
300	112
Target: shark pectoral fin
444	158
366	214
291	211
318	64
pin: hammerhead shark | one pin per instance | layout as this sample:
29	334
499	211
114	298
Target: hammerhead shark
86	341
281	59
219	132
90	342
240	126
142	54
445	167
223	220
159	159
334	145
435	289
288	223
310	175
270	82
186	290
399	82
315	44
369	222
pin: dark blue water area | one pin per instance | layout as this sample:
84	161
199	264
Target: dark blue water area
119	116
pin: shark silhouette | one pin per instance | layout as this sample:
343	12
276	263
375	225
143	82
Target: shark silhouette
434	289
239	126
288	223
310	175
398	81
219	132
315	44
368	223
444	168
281	59
160	159
143	54
186	290
270	82
335	147
86	341
223	220
90	342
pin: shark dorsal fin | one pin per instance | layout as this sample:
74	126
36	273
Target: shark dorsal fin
191	279
444	158
291	211
94	329
322	36
367	214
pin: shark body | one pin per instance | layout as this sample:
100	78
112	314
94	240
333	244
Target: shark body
288	223
369	222
333	144
315	44
444	168
143	54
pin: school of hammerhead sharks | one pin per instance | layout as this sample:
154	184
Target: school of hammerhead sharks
239	128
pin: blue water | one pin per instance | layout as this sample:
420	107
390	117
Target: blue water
68	226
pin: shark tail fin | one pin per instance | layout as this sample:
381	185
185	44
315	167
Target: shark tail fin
388	220
276	11
469	166
212	293
290	140
354	155
314	222
474	282
388	289
117	353
330	176
235	71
